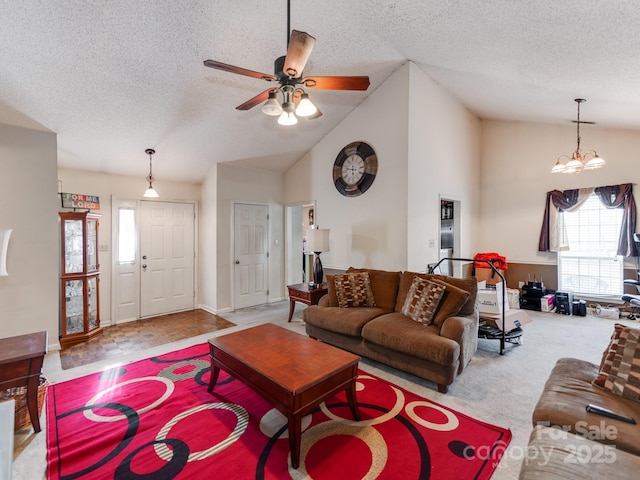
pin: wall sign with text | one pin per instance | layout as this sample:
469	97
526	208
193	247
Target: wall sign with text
76	200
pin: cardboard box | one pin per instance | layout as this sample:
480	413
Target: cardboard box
490	300
512	319
547	303
488	275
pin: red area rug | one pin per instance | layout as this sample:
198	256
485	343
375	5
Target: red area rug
154	419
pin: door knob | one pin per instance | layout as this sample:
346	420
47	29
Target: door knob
144	265
237	262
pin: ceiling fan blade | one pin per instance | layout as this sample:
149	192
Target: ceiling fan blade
238	70
252	102
300	46
336	83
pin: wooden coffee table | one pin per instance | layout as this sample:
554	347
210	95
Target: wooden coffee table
291	371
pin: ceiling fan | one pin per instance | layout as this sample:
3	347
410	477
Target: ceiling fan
288	73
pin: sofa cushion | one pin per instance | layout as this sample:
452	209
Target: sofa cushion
354	290
566	394
557	455
423	300
468	284
384	285
620	367
347	321
398	332
331	291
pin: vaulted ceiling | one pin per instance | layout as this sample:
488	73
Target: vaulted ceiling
114	77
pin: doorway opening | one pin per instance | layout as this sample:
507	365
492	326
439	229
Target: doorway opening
299	263
450	236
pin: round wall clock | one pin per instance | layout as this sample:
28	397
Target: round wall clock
355	169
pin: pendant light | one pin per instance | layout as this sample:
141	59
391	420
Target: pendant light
150	192
578	162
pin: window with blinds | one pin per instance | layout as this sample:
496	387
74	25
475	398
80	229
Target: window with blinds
591	267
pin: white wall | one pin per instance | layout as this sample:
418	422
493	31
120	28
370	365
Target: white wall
369	230
427	144
238	185
516	162
106	187
208	242
29	200
444	159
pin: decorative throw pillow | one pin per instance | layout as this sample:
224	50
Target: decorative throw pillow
620	368
422	300
452	302
354	290
607	356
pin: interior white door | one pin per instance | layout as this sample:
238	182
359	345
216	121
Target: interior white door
251	225
166	257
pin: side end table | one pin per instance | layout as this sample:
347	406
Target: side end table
301	292
21	360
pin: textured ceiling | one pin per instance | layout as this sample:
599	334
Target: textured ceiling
115	77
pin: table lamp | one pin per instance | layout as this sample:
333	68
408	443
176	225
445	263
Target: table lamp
318	242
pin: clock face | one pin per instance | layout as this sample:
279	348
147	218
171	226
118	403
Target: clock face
355	169
352	169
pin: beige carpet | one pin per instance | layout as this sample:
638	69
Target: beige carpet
497	389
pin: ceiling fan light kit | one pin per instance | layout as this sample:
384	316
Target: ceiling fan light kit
288	73
271	107
590	160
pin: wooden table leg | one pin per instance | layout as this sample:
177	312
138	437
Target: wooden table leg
215	372
292	306
351	398
32	402
295	431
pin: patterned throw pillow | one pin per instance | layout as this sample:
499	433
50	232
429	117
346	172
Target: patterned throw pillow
354	290
422	300
620	368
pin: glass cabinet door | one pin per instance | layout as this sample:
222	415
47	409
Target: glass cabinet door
74	306
73	246
92	301
92	245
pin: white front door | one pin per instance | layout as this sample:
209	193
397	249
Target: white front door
251	225
166	257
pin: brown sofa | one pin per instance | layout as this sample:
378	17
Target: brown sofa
570	443
437	352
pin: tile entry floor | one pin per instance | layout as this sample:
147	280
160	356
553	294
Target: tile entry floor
130	337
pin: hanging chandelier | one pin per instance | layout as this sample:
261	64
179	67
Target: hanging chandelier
150	192
577	162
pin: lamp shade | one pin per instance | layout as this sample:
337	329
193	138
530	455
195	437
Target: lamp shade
318	239
4	244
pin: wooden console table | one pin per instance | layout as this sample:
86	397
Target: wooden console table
21	360
301	292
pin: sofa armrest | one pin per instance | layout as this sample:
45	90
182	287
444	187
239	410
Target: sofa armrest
324	301
463	330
